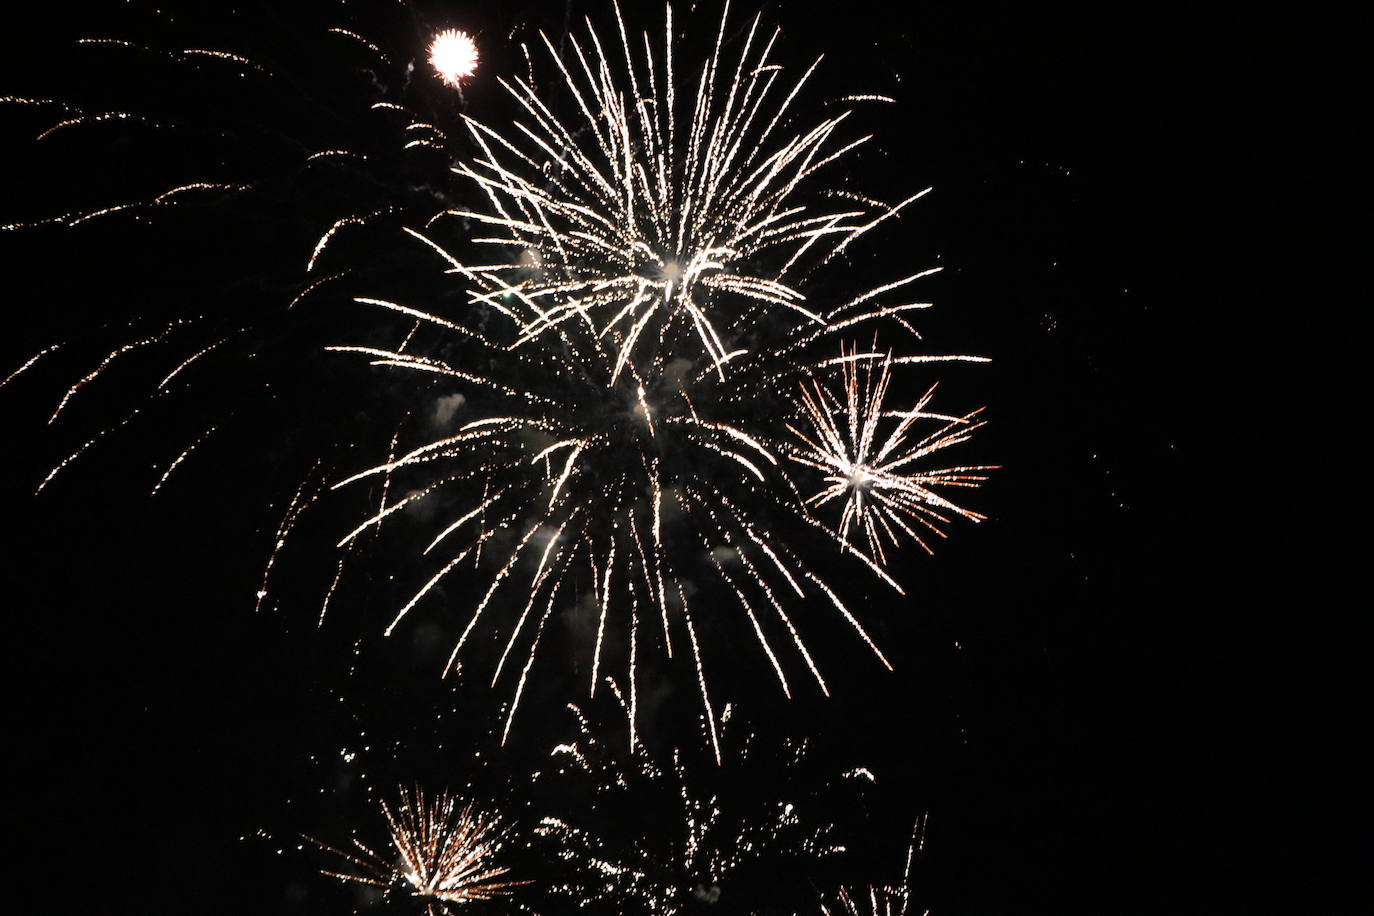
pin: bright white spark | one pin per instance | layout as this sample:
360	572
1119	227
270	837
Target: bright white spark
453	55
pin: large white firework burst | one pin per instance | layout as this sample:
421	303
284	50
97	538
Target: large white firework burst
443	852
664	208
625	449
622	366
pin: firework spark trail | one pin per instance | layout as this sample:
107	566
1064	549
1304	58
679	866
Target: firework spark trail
176	462
339	224
871	901
111	357
885	900
382	55
28	363
74	389
447	853
694	840
302	499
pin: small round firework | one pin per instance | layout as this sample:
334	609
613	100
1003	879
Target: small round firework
453	55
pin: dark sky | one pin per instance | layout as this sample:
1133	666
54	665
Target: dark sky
1085	702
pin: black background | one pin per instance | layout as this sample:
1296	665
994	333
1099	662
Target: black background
1102	693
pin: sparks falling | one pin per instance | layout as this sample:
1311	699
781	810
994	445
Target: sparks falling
444	853
676	844
878	476
660	212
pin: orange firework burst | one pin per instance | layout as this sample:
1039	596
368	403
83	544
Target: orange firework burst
453	55
444	853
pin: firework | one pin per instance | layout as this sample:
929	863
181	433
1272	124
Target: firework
442	853
624	363
877	475
622	333
453	55
680	833
871	901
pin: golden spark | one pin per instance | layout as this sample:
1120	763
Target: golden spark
443	853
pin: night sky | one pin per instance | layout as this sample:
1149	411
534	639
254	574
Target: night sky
1084	701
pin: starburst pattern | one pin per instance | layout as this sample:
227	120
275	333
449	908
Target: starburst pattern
442	853
453	55
623	365
871	901
872	458
660	208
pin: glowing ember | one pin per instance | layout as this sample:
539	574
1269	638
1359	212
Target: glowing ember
453	55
